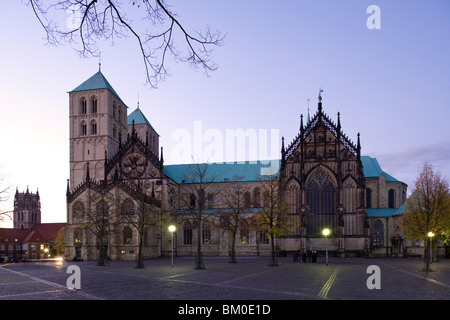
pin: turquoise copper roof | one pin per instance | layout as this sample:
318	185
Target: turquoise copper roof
372	169
139	118
385	212
96	82
251	170
226	172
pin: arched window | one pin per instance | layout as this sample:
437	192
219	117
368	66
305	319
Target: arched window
114	132
78	210
187	233
369	198
378	233
102	208
320	203
263	238
93	127
127	235
247	199
210	200
77	235
391	198
128	207
94	104
292	196
244	232
83	128
206	233
83	106
257	197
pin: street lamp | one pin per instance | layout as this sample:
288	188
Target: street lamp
431	235
326	232
172	229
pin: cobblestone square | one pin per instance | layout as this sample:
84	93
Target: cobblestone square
251	278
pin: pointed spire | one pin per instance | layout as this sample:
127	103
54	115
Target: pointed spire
301	122
358	148
282	146
339	121
88	178
68	188
162	157
320	100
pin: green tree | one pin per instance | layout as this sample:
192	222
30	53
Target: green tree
271	215
428	209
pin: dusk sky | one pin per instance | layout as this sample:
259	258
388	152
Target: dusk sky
392	85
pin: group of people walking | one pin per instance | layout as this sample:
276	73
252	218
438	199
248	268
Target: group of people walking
305	256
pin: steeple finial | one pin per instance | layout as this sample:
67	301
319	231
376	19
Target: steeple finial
320	101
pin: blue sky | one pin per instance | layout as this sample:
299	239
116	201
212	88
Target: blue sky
391	85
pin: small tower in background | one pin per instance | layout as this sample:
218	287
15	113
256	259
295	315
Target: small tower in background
27	209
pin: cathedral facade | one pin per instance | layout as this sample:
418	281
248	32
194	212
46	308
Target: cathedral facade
323	181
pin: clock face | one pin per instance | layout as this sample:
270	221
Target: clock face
134	165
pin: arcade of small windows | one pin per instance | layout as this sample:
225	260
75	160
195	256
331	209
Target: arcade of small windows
84	105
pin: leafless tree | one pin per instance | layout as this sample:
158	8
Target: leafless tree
234	215
199	184
94	20
101	221
5	188
143	214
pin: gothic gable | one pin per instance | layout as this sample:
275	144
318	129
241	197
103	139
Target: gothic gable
133	161
319	140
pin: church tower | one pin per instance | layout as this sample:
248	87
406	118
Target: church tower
98	125
27	210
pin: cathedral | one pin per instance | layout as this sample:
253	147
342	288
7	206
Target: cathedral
322	181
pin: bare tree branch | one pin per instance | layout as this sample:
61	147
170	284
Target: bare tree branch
94	20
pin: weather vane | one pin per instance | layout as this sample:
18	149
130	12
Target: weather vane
320	94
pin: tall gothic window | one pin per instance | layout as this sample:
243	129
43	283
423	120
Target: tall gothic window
83	128
244	232
391	198
206	233
256	197
187	233
83	106
128	207
368	198
127	235
378	233
320	203
78	210
94	104
93	127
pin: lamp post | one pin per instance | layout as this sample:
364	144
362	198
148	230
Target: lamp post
172	229
431	235
326	232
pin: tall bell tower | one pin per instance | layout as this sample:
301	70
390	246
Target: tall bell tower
98	125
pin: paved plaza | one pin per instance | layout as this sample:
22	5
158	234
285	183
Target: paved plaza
249	279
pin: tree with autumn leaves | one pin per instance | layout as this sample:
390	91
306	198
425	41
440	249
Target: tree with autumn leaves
428	210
